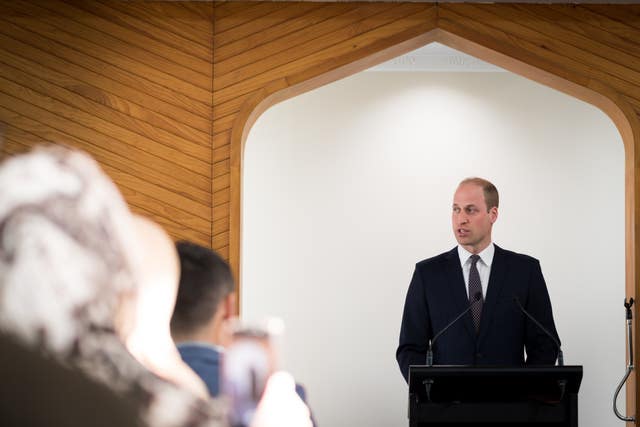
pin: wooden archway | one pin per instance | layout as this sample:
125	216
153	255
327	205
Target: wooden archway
267	52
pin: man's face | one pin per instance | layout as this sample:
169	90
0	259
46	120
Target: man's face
470	219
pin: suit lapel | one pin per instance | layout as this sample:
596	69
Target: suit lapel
455	280
496	281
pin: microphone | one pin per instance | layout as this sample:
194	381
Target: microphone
428	383
477	297
554	339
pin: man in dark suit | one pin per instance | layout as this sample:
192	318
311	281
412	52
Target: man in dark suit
479	274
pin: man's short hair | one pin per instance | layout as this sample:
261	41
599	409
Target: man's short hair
490	191
205	280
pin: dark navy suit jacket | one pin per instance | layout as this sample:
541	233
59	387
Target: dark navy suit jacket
437	294
205	361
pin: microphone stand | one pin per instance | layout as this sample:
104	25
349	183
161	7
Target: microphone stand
630	367
562	384
477	297
539	325
429	381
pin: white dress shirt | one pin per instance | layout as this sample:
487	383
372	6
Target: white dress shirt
483	265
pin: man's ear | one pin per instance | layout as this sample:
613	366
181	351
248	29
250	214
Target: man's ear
493	214
229	306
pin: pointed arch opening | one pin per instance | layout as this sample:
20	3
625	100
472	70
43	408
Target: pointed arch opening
590	90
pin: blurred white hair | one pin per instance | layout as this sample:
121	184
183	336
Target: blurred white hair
65	247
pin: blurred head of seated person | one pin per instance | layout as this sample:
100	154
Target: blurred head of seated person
145	329
36	391
70	253
72	261
205	304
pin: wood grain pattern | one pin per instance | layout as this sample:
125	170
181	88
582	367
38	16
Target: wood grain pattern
187	35
20	29
128	82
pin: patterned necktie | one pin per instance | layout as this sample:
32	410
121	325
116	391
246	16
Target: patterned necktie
474	288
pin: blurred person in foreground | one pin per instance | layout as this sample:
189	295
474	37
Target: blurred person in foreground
36	391
73	278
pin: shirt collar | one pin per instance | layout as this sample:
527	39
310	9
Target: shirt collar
201	344
486	256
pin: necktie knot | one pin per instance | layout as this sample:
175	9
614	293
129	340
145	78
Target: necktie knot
474	259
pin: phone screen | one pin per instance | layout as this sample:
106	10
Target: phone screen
248	362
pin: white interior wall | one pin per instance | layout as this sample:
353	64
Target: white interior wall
346	187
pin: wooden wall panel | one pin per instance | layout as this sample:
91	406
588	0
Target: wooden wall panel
128	82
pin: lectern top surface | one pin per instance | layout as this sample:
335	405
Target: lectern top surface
480	383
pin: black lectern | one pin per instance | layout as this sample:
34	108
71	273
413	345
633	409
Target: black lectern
459	396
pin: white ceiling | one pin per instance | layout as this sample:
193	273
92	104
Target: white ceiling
436	57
